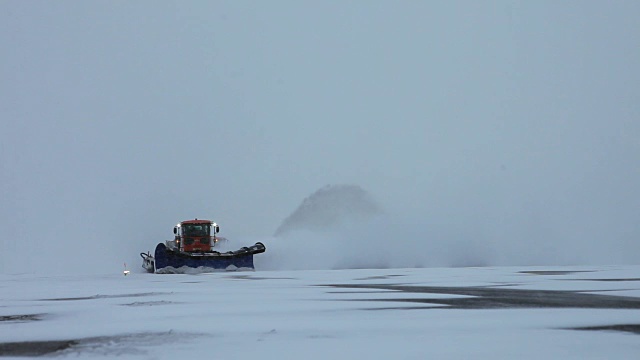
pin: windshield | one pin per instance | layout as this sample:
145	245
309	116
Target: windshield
196	229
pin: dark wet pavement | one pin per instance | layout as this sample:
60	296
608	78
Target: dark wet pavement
500	297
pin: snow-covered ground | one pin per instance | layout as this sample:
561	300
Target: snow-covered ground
430	313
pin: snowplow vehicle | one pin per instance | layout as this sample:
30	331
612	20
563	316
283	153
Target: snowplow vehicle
193	250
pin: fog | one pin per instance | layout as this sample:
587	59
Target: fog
490	133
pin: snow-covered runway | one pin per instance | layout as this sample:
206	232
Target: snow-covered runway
440	313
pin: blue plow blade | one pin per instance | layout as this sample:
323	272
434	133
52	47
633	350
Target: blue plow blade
172	261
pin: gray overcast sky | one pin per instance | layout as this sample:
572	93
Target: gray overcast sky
506	121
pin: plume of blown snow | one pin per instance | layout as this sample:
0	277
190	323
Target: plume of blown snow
376	242
328	208
341	227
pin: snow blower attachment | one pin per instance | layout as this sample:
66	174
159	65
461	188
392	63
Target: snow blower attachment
192	251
